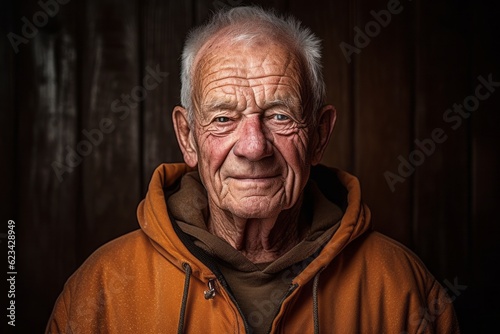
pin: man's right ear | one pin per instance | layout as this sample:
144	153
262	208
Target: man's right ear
185	136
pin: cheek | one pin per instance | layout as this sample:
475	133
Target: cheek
294	152
213	151
294	149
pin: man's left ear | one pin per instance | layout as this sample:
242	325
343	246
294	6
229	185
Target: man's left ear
322	132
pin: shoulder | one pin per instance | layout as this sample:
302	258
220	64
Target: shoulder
104	274
115	265
121	249
390	252
119	283
378	284
386	262
381	245
404	278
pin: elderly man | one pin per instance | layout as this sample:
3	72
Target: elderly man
251	234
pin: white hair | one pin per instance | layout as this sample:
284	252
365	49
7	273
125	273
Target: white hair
249	23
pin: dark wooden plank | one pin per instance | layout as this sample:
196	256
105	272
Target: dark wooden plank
45	95
442	181
111	93
441	197
8	129
164	28
383	107
482	311
7	116
330	21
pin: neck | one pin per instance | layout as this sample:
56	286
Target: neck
260	240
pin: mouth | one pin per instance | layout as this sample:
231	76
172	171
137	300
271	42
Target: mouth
254	177
254	180
255	185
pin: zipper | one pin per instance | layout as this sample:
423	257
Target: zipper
212	266
210	293
224	285
291	289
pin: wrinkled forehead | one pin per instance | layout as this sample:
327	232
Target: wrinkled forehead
246	54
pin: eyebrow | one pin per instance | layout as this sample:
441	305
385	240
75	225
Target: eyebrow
289	103
215	105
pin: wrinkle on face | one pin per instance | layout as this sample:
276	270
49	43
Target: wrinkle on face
250	128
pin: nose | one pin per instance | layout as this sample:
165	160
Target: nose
252	143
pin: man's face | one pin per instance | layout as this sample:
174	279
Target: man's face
250	133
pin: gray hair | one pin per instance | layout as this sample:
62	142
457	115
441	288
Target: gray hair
306	44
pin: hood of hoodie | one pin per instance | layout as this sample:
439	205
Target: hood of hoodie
338	186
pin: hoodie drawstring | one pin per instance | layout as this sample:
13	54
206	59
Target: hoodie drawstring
187	270
315	301
210	294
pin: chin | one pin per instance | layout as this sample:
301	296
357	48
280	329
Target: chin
250	208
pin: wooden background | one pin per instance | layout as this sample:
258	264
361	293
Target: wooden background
64	81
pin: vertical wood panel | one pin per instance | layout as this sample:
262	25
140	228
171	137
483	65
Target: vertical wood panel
164	27
441	201
46	98
110	98
330	20
384	72
8	124
486	180
7	116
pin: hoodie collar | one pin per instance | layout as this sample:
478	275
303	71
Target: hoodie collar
338	186
319	218
344	188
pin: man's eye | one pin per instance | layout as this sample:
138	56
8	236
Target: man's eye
221	119
281	117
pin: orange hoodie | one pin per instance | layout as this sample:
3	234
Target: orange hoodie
149	281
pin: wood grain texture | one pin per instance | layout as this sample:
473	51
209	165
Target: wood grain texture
110	102
383	109
442	179
8	121
164	26
482	302
45	93
8	132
